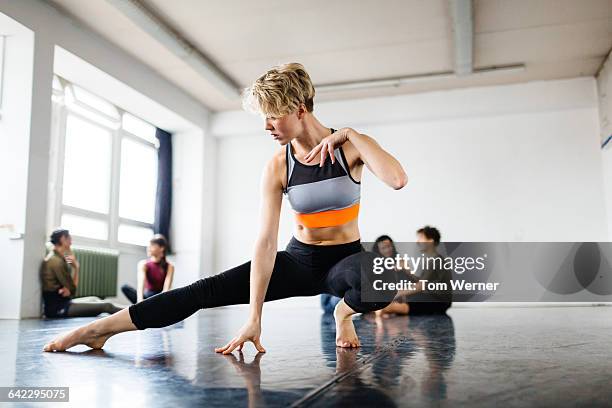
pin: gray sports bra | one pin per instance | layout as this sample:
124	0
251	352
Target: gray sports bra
322	196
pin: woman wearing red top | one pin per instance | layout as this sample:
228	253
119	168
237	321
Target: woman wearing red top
154	274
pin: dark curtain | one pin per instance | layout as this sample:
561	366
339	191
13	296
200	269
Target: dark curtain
163	198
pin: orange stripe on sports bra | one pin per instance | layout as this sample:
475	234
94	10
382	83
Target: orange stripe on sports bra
329	218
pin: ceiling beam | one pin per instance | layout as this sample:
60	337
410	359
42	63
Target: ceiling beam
151	23
463	33
411	79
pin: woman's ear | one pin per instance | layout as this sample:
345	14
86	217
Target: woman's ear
301	112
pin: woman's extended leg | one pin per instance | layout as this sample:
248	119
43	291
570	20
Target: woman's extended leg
160	310
289	278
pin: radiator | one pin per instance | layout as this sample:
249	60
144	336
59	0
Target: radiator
98	273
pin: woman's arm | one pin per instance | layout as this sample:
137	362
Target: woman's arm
63	277
382	164
75	266
169	277
264	256
418	287
141	277
429	275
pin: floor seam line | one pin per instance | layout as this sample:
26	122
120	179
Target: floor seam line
365	361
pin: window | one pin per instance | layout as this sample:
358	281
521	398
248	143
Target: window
138	181
87	165
106	169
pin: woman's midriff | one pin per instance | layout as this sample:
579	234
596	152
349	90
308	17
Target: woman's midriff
340	234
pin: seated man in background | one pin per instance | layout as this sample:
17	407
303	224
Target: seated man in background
154	274
420	301
60	277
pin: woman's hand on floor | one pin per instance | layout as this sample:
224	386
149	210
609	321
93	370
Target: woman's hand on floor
251	331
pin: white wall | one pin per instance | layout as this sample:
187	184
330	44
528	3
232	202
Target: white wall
167	107
505	163
604	86
14	132
187	200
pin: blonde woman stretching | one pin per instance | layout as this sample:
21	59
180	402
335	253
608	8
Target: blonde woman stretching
318	169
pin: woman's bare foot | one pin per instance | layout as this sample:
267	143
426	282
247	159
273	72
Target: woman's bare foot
346	336
394	308
87	335
95	333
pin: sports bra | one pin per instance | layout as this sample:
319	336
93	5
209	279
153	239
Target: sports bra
322	196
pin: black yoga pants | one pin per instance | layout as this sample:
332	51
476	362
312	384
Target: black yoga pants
300	270
132	295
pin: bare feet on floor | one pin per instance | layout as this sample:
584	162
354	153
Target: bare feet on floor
86	335
346	336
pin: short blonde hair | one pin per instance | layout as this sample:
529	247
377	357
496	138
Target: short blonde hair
280	91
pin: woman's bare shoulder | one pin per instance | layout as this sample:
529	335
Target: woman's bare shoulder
276	165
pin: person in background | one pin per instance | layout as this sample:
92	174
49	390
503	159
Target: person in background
154	274
60	278
419	301
383	246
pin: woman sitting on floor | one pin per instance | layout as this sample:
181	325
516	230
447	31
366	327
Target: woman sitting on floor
154	274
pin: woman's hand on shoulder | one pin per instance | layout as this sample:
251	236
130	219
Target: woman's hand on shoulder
251	331
328	144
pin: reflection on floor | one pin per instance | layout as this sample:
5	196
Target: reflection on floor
473	357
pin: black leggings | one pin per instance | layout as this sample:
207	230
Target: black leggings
132	295
56	305
301	270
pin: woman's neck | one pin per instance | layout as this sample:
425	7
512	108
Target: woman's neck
312	134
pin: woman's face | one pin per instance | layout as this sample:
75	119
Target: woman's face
155	250
386	248
284	128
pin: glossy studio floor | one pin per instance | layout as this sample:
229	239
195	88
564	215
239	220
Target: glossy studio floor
489	120
477	357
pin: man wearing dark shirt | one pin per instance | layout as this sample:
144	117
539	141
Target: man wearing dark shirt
419	300
60	277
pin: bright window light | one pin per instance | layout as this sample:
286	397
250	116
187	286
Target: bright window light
138	184
88	112
85	227
109	177
130	234
138	127
95	102
57	84
87	165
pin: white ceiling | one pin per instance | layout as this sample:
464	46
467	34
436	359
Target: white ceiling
355	40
